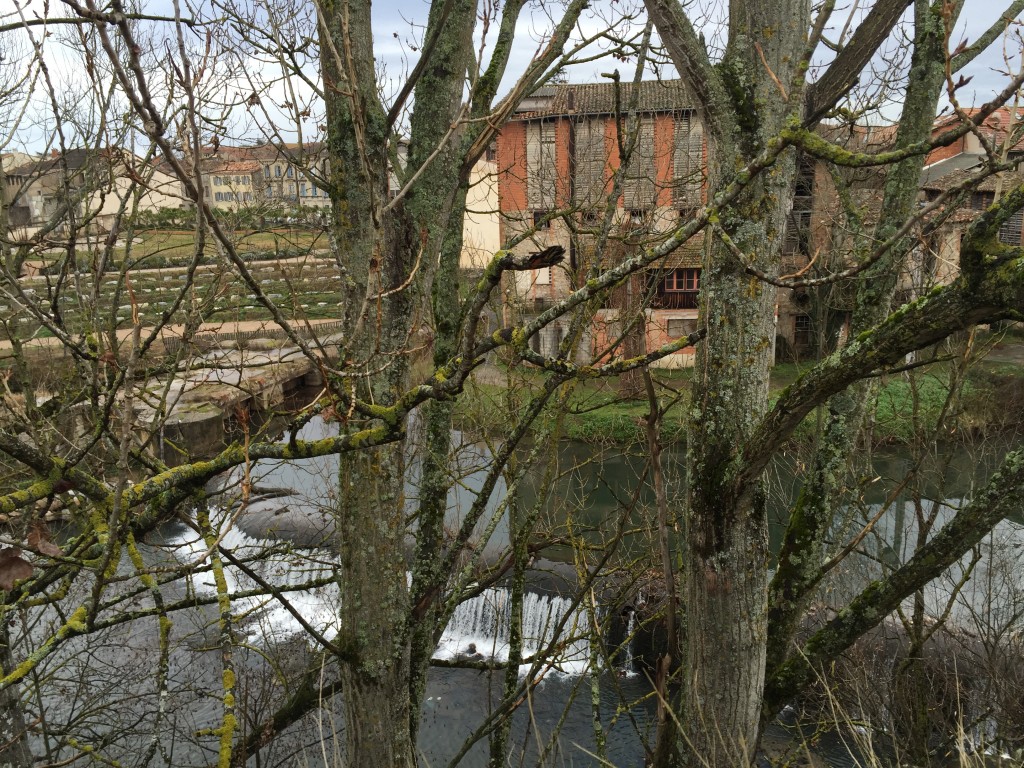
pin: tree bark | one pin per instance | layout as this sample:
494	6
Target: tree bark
376	254
744	101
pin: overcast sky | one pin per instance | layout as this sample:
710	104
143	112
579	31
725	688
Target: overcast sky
398	29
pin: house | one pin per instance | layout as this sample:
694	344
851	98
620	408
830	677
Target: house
266	175
481	229
557	157
950	168
818	239
87	188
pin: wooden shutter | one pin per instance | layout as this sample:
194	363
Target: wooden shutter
688	159
591	160
638	192
540	165
1011	231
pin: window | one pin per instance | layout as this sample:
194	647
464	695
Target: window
216	181
1010	233
237	180
638	191
676	288
540	165
798	224
216	196
266	171
637	217
277	171
313	191
591	161
688	159
288	173
681	326
682	280
981	200
490	154
302	189
269	191
540	220
802	331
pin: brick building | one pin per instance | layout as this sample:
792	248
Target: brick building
950	168
557	159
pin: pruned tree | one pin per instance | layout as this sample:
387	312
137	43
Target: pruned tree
393	232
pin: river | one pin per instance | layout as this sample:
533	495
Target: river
586	494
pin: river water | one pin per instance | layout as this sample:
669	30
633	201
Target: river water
586	493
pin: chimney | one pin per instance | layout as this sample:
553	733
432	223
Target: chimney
54	154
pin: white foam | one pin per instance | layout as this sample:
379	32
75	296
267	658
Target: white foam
482	621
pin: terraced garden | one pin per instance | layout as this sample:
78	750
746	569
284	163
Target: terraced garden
149	280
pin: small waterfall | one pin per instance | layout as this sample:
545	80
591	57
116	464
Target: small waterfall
482	625
265	617
482	622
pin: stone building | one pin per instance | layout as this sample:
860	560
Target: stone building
952	168
85	188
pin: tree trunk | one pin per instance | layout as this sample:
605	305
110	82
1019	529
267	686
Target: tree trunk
376	253
803	546
726	539
743	101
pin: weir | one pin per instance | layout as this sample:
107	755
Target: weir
225	392
479	629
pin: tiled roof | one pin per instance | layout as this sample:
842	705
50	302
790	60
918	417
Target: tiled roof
858	137
1004	181
234	166
261	152
995	126
75	159
599	98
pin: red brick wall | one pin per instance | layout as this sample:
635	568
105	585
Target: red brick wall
511	157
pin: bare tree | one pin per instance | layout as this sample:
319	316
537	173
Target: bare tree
393	237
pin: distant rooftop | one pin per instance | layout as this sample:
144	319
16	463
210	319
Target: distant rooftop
599	98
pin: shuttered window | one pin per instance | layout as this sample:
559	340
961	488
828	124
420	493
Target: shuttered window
591	160
638	192
688	159
1010	233
540	165
798	224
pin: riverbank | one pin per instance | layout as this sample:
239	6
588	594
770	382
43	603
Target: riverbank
990	403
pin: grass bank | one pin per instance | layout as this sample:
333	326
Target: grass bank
908	405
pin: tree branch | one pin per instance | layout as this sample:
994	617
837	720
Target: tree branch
842	74
1004	495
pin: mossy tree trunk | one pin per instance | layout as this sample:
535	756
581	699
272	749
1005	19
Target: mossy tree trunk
14	749
726	555
811	519
375	252
400	263
755	93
